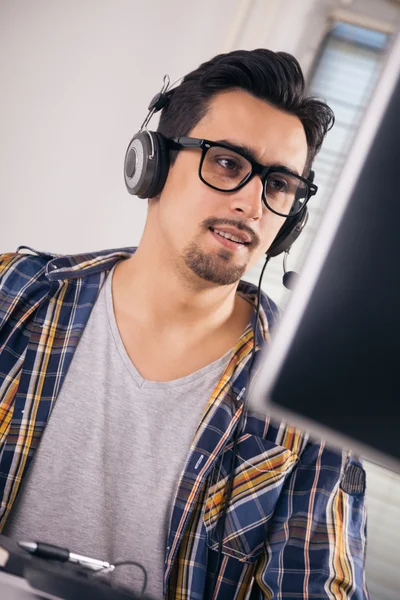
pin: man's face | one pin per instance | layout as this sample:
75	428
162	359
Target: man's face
190	214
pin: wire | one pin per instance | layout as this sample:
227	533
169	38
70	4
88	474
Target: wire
239	429
173	86
121	563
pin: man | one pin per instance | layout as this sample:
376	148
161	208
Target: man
142	358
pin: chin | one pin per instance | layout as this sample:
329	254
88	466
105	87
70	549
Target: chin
213	267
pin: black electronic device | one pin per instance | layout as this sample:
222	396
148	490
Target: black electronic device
332	367
23	576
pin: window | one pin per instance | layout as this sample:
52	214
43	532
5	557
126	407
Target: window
345	74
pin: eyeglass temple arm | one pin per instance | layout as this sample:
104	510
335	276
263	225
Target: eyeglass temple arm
185	142
310	179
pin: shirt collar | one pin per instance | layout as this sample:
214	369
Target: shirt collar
74	266
67	267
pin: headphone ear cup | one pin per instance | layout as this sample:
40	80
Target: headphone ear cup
288	233
146	164
161	167
138	168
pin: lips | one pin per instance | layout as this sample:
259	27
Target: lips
227	243
232	234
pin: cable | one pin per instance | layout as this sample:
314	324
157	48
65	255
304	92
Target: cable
121	563
238	431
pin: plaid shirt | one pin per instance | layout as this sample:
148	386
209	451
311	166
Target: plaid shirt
296	522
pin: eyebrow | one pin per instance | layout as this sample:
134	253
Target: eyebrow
252	155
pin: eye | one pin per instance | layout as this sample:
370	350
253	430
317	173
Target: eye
224	169
230	164
277	184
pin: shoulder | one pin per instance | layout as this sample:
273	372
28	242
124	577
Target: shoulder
28	276
19	269
27	265
23	283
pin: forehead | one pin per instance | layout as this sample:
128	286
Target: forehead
276	137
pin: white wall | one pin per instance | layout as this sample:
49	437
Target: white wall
76	78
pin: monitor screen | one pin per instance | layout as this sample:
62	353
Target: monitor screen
334	365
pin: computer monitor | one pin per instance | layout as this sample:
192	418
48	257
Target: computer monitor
333	367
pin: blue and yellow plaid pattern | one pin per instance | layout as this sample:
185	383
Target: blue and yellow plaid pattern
295	528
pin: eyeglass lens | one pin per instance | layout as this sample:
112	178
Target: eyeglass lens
225	170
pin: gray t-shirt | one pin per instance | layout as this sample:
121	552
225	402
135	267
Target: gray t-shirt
104	477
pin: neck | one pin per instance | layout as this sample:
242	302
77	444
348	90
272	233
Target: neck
151	285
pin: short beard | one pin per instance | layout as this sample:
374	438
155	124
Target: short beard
214	268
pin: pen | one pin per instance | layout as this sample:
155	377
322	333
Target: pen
52	552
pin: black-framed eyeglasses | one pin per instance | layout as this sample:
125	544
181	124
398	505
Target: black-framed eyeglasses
227	169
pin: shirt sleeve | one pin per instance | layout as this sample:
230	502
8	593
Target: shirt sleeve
18	274
317	538
7	263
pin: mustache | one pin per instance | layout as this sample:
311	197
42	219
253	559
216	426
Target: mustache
212	222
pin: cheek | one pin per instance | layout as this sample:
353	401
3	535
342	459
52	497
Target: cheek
187	199
183	207
268	232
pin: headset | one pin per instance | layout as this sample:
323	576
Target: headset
146	167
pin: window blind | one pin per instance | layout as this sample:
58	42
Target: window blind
344	75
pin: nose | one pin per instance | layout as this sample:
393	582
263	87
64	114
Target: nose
248	200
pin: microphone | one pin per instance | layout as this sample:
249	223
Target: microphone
289	278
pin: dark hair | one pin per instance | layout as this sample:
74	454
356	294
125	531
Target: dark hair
275	77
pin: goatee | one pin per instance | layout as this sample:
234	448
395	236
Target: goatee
215	267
